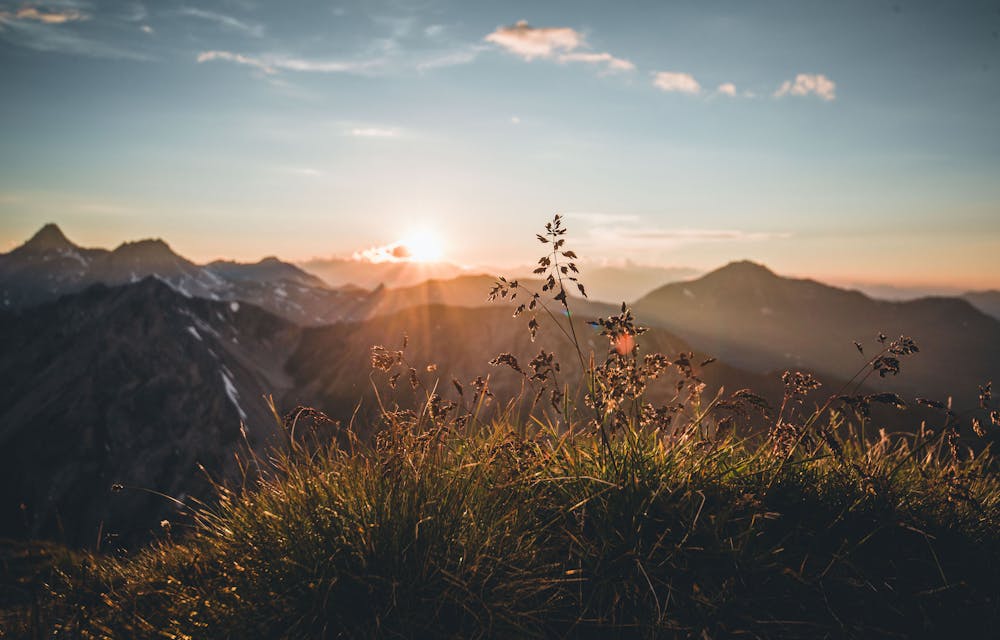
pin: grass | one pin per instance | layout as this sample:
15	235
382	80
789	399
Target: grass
611	519
438	531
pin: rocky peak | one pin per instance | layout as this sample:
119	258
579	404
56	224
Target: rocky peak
49	238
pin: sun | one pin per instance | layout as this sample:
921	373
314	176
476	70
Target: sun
423	246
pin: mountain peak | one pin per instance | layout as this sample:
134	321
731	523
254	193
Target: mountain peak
745	267
148	248
49	238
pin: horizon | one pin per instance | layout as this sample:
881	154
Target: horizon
431	268
853	143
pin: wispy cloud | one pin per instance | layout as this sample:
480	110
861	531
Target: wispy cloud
226	22
373	132
600	218
613	63
238	58
308	172
45	16
271	64
447	57
695	235
628	232
54	28
808	83
561	44
675	81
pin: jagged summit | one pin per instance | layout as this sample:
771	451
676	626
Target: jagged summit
49	238
148	248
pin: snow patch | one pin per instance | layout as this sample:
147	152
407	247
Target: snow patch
194	332
69	253
176	287
234	306
231	392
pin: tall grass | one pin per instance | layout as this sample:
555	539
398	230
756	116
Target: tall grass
616	518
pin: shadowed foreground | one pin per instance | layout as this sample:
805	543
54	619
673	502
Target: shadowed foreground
440	530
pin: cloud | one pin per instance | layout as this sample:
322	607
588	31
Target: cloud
270	64
45	16
530	42
226	22
238	58
515	120
695	235
373	132
54	30
627	232
553	43
676	81
806	83
601	219
394	252
308	172
614	64
448	58
727	89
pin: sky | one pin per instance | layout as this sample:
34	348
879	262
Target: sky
848	141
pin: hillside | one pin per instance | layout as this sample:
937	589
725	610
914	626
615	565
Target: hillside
986	301
751	317
459	342
133	385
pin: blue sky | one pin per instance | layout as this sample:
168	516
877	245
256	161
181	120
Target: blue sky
842	140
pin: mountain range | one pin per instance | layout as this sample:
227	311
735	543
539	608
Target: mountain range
134	365
49	265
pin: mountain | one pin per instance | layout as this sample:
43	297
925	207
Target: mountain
331	364
614	283
628	282
268	269
753	318
43	268
348	272
49	265
986	301
135	385
133	261
462	291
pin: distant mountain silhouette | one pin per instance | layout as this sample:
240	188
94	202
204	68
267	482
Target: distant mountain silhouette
49	238
268	269
628	282
751	317
459	342
341	272
43	268
134	384
49	265
986	301
462	291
